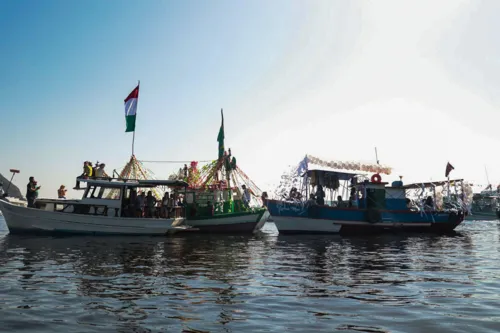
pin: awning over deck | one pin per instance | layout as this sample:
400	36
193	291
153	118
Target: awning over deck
430	184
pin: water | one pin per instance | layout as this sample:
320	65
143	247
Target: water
266	283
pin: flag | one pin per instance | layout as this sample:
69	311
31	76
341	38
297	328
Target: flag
131	109
220	137
449	167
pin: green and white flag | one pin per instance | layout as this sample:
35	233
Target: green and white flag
131	109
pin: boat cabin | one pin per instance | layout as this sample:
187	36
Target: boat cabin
355	190
107	197
213	201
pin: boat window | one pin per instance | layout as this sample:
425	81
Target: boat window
101	192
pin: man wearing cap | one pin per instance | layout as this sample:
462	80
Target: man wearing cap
32	192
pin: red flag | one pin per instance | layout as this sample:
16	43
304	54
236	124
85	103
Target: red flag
449	167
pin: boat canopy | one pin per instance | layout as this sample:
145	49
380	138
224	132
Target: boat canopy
342	175
430	184
171	183
119	183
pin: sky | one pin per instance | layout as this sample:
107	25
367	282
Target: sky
334	79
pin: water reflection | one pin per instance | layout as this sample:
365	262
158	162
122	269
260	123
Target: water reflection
246	283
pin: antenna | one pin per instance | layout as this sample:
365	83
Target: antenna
487	178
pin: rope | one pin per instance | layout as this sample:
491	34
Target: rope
143	161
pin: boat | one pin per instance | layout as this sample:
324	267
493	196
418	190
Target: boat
215	206
4	193
95	213
214	197
485	205
373	206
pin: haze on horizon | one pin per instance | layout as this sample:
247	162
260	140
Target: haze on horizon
416	79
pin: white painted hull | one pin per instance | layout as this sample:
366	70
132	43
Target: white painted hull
250	223
28	220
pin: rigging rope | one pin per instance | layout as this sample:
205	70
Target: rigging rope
143	161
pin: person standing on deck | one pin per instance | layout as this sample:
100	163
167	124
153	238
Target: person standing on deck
320	196
164	205
246	196
32	192
150	204
139	204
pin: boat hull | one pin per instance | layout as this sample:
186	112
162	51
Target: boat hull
31	220
297	218
482	216
246	222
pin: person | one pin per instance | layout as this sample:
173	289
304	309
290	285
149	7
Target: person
429	203
61	192
164	205
150	204
246	196
320	196
139	204
99	172
87	173
210	208
171	205
264	199
2	192
92	169
311	201
185	170
32	192
340	202
132	203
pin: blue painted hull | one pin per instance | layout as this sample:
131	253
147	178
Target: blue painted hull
295	218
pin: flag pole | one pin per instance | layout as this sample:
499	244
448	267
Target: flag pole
133	134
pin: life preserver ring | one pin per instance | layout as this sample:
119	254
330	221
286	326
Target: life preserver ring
376	178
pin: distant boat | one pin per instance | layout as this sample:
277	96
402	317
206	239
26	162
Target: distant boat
485	205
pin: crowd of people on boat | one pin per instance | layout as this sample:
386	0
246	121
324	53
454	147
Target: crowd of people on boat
140	204
318	198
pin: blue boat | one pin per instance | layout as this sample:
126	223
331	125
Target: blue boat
372	206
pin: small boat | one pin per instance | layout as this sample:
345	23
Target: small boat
485	206
215	196
373	205
96	213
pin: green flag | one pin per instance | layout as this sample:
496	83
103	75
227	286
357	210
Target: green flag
220	137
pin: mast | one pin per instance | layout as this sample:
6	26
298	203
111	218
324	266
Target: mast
133	134
487	178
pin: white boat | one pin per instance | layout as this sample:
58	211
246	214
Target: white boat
94	214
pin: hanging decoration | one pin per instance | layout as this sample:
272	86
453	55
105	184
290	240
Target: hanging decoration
350	165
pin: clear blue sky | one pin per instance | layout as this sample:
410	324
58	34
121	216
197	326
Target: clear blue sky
67	66
328	78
